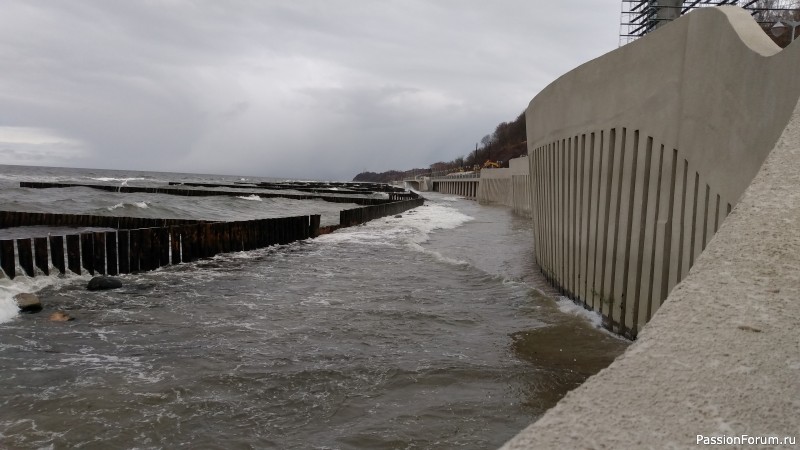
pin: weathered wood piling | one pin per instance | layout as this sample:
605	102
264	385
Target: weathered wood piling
140	244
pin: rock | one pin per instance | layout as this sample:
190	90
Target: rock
61	316
104	283
28	303
398	216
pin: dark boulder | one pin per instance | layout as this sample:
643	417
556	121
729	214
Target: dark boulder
104	283
28	303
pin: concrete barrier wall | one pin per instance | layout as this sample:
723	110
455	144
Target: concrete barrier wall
466	186
721	357
638	157
507	186
495	187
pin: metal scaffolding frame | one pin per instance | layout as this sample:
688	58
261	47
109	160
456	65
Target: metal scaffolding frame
640	17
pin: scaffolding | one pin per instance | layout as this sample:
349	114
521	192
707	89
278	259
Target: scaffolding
640	17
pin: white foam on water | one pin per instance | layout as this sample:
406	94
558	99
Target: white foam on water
414	226
438	256
253	197
142	205
567	306
9	288
108	179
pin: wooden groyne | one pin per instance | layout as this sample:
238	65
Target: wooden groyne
142	244
204	192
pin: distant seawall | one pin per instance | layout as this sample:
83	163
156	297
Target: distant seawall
637	157
509	186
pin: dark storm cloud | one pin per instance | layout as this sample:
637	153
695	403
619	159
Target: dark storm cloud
310	89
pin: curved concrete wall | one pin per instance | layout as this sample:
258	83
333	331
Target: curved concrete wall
722	356
638	156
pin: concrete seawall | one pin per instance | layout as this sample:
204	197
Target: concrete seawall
721	357
507	186
638	157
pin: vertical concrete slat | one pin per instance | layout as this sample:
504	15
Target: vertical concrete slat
566	280
583	219
591	222
634	267
628	161
664	231
575	221
644	286
611	180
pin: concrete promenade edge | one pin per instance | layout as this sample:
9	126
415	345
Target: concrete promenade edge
721	357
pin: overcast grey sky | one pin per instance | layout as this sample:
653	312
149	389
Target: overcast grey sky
305	89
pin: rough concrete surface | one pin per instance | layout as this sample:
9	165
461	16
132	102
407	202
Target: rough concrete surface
722	355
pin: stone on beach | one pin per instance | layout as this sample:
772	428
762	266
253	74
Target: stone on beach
60	316
104	283
28	303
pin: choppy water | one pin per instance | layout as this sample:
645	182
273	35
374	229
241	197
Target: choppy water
433	330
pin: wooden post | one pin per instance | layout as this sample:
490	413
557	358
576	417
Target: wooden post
74	253
25	256
111	253
314	227
7	259
99	253
145	250
175	244
40	255
124	255
134	253
187	243
87	252
57	253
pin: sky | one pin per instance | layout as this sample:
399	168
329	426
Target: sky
319	89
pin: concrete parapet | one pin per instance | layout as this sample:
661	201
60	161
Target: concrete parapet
638	157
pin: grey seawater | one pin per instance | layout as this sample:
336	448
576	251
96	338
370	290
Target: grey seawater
431	330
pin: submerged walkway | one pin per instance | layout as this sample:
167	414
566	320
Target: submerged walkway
721	358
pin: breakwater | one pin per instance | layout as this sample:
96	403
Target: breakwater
136	244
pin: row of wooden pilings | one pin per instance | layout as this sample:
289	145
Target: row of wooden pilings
467	187
159	242
202	192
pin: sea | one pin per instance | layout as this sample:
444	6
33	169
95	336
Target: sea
433	329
